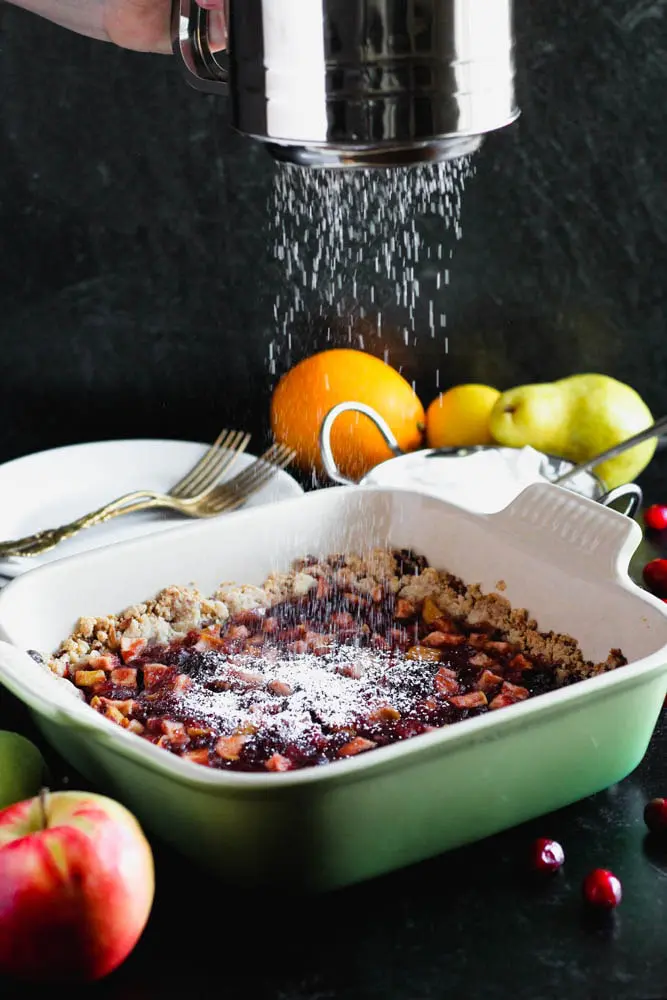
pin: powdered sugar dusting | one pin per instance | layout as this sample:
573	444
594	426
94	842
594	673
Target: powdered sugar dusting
314	692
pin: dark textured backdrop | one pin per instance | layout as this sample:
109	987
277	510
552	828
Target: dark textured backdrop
137	282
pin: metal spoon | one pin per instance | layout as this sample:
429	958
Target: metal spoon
658	428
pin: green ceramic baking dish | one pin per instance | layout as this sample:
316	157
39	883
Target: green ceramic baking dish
563	557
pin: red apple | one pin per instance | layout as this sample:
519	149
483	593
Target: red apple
76	887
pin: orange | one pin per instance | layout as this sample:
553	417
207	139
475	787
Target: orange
307	392
460	416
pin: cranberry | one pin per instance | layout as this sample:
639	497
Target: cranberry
602	889
655	815
547	855
655	517
655	576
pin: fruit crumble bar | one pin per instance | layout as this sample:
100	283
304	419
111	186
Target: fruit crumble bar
336	657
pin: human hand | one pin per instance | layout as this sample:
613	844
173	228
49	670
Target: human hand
145	25
141	25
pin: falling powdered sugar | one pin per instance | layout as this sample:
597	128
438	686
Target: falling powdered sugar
364	245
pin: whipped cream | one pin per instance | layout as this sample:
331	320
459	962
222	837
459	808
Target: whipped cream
483	482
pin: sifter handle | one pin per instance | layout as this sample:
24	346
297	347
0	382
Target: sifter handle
191	44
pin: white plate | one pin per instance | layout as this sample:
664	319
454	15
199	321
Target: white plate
50	488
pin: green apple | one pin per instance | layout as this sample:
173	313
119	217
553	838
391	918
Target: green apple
577	418
22	769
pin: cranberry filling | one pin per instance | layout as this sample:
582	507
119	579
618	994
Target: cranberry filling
312	680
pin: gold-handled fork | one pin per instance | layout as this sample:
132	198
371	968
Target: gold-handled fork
192	489
220	499
235	492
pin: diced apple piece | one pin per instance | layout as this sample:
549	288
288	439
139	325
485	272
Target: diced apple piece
89	678
423	653
248	679
277	762
445	682
279	688
454	639
404	610
246	728
501	701
126	706
124	677
171	728
115	716
229	747
510	694
209	641
514	691
481	660
135	726
474	699
384	713
520	662
251	617
355	746
351	670
488	681
131	648
318	642
175	733
182	682
437	640
254	643
434	640
430	610
198	731
499	647
155	674
106	662
237	632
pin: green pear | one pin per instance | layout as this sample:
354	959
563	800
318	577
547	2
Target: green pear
22	769
576	418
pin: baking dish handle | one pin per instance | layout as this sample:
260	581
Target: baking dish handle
552	518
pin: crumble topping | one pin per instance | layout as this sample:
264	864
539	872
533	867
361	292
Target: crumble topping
329	660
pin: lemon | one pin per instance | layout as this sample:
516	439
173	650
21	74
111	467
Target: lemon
460	416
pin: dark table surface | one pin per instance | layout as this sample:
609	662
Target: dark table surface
465	924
